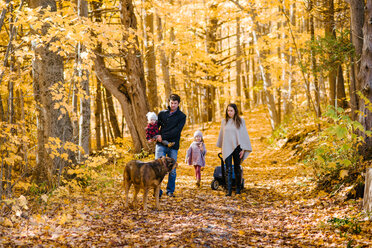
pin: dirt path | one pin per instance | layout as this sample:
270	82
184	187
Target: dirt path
276	209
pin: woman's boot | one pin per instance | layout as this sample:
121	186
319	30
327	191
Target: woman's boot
229	179
237	182
238	189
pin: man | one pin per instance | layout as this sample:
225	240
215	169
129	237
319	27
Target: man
171	122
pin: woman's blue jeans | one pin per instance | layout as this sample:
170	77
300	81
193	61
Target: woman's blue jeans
163	151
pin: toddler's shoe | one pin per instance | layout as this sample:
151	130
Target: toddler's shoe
170	144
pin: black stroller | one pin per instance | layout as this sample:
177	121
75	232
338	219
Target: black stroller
220	179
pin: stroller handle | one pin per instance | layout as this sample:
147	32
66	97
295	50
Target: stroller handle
220	156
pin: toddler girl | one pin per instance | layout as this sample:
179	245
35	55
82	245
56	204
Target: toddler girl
196	155
152	129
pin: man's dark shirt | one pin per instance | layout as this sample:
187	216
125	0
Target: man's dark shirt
171	126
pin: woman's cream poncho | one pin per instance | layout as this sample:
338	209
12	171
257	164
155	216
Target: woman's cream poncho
230	137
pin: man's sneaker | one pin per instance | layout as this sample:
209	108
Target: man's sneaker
170	144
170	194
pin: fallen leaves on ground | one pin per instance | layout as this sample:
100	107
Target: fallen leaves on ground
277	208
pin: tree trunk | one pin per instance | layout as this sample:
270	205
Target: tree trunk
97	114
10	120
84	121
103	123
330	33
365	77
164	60
340	89
197	108
254	76
152	89
23	119
2	115
130	93
274	119
51	122
367	198
238	66
313	63
75	123
212	50
172	37
83	75
2	15
107	122
357	21
2	175
97	17
287	101
245	79
112	115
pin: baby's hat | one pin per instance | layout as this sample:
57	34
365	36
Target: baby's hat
151	116
198	133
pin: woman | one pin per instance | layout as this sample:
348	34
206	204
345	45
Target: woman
235	144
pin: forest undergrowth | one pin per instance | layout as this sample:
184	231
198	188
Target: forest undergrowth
279	207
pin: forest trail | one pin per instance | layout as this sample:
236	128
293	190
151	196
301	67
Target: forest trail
276	209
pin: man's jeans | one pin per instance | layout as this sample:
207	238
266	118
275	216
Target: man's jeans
162	151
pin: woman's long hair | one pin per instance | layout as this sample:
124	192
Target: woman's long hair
237	120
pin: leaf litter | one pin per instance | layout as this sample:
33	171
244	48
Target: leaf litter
278	208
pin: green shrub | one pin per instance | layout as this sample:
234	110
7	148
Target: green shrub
336	160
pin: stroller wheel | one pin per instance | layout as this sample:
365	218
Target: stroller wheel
215	184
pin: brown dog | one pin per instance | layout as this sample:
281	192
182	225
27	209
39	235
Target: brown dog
146	175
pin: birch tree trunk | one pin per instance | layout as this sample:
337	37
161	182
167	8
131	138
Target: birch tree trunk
274	118
287	99
74	114
85	111
367	198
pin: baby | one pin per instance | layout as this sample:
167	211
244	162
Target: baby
152	129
